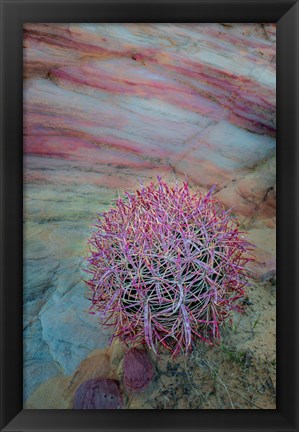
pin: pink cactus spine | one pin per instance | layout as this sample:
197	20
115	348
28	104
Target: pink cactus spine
166	266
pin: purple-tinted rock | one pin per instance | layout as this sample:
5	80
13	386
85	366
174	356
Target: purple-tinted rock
98	394
138	370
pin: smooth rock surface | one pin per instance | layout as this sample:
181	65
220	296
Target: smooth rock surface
98	394
96	365
138	370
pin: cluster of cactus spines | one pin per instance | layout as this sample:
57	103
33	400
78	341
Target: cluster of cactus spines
166	266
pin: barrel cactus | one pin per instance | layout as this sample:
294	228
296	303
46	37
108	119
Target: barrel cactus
166	266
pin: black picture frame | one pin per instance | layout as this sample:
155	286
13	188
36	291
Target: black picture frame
13	14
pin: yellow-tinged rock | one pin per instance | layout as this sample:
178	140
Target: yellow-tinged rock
116	351
96	365
52	394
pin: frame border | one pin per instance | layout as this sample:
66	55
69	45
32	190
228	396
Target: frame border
16	12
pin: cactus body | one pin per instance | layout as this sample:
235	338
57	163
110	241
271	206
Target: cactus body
166	266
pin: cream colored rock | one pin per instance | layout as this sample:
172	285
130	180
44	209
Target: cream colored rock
52	394
119	371
116	351
97	365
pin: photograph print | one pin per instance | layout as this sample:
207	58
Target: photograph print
149	154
